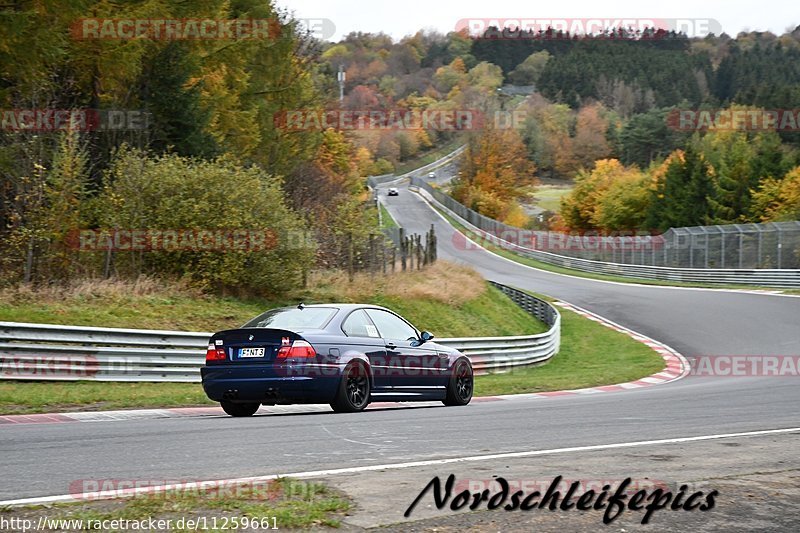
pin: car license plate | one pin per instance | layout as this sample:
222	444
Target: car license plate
251	352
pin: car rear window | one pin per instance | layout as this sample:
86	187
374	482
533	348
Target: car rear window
293	318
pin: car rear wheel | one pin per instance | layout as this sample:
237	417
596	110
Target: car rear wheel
459	389
353	392
239	409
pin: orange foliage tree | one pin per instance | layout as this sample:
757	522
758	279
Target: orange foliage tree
495	174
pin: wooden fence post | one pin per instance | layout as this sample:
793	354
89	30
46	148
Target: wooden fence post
350	266
402	248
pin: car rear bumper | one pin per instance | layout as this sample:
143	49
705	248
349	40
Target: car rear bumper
271	384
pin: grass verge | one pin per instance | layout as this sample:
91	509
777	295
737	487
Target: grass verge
283	503
548	197
591	355
387	221
446	299
28	397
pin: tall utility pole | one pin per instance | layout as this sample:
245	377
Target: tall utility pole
341	78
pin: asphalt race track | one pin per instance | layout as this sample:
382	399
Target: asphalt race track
45	459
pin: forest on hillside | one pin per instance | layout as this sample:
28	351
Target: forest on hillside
599	98
192	133
613	101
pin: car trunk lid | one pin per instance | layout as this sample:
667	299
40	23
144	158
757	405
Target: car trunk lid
250	345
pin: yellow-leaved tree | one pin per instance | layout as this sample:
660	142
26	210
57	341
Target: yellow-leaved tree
778	199
611	196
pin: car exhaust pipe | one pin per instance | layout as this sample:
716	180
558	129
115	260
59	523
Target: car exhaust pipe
231	394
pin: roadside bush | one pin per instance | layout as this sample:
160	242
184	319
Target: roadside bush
172	193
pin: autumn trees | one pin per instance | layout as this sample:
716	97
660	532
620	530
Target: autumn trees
427	72
209	153
601	117
495	174
778	199
691	187
562	141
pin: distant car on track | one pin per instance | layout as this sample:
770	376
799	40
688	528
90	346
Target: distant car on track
347	355
431	175
393	192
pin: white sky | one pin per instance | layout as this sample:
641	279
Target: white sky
403	17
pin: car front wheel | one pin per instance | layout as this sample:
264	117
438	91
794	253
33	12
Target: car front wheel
459	389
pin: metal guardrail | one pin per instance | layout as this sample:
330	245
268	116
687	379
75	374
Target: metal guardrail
69	353
496	354
72	353
778	278
374	181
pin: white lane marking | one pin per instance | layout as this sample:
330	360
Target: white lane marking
100	495
766	292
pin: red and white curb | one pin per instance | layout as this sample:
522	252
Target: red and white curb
676	365
676	368
107	416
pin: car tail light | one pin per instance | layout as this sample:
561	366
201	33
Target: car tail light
215	353
298	349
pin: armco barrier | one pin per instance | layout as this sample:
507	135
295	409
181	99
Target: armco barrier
374	181
778	278
71	353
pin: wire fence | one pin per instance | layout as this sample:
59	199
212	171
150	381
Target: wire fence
774	245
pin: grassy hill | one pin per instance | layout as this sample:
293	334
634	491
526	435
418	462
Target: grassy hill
448	300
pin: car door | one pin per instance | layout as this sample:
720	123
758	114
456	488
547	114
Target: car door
413	366
362	335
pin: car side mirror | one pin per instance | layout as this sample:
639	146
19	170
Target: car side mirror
425	336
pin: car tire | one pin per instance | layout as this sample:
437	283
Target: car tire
353	392
460	387
239	409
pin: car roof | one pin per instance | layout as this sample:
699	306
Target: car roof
343	310
342	306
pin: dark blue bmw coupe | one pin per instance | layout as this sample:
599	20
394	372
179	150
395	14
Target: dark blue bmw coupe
347	355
